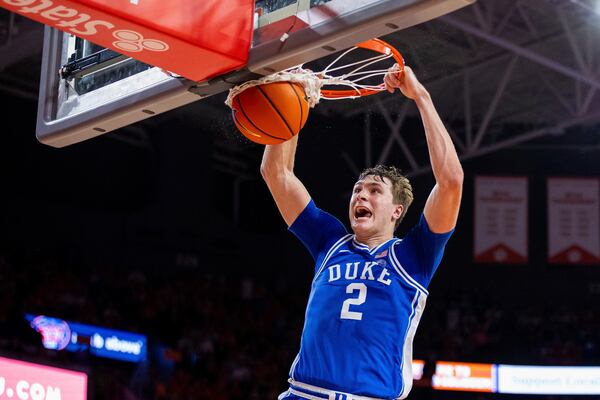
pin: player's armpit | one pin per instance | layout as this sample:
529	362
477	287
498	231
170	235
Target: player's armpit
441	209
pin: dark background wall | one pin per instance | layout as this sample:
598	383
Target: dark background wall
165	208
123	201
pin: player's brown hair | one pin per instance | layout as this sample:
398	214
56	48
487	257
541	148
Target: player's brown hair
401	188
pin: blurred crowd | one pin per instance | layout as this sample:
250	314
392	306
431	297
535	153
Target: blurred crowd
223	334
486	329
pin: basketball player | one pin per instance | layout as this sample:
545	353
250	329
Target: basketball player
369	288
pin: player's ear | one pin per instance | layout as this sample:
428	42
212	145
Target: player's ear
398	212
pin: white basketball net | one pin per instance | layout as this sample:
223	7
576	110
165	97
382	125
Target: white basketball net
313	81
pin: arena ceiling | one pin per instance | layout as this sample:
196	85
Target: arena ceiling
504	72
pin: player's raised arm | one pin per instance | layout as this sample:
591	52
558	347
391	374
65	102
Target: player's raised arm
277	169
441	209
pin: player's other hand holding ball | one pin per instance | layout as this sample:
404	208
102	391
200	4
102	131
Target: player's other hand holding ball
406	81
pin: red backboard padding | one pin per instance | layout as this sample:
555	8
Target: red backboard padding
198	39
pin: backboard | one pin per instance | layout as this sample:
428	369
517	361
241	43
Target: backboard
86	90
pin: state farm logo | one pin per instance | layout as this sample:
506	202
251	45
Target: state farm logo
133	42
81	24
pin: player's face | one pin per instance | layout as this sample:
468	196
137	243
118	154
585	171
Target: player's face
372	209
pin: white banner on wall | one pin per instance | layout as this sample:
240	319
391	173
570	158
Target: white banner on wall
573	221
520	379
500	233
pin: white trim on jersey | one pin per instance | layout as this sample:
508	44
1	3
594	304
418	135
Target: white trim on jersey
376	248
362	246
358	244
305	395
402	365
331	394
398	267
407	351
332	250
293	367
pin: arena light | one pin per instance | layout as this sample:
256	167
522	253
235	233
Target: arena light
585	4
417	367
525	379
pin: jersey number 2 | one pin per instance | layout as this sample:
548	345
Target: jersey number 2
354	301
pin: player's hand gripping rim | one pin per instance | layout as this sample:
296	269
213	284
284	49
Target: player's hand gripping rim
407	82
393	78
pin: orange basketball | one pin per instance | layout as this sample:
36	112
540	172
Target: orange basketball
271	113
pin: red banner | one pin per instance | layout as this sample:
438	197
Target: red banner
500	233
196	39
573	221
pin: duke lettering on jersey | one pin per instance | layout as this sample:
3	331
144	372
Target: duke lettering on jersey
351	272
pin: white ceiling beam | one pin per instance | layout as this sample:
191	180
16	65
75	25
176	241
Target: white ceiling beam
591	45
480	17
520	51
530	26
558	96
353	167
588	100
467	106
509	14
439	80
578	96
395	134
494	104
573	43
524	137
534	134
487	63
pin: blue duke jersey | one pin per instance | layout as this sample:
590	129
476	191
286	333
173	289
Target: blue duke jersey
363	310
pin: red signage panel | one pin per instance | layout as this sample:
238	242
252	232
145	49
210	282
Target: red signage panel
195	39
23	380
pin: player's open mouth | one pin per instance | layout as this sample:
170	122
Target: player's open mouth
362	213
